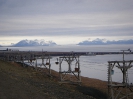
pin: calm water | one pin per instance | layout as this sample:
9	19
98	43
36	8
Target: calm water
96	66
91	66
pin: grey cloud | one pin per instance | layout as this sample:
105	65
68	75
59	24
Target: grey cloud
107	31
66	17
63	6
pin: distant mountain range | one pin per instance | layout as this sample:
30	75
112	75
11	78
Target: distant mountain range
34	43
42	42
104	42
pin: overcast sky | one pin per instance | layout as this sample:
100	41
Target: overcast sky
65	21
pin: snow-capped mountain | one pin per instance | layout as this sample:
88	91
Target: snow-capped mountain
34	43
104	42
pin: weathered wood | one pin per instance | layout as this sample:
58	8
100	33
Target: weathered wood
69	76
116	90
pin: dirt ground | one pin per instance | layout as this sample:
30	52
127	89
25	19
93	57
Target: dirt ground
17	82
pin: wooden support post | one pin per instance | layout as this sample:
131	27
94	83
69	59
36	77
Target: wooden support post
49	66
23	62
46	65
119	90
36	64
60	61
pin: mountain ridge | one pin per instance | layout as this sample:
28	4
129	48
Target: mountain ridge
34	43
98	41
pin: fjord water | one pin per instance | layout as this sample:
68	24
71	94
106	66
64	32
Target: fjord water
91	66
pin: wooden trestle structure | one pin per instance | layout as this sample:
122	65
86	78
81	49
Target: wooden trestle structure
122	90
45	63
27	58
72	75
